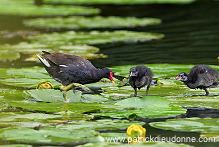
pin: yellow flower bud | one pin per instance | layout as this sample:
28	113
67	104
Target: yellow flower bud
136	133
44	85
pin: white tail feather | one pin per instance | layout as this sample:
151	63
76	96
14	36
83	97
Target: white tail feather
46	63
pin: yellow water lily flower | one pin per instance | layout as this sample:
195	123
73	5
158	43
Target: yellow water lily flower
136	133
44	85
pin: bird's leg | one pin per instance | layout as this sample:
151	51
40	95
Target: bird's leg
65	90
135	92
147	89
64	96
207	93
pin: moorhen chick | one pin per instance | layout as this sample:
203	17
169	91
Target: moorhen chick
68	69
140	76
200	76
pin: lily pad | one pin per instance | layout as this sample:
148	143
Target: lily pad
190	125
96	22
95	37
142	107
16	145
116	2
27	119
148	144
2	105
73	111
51	95
73	131
25	77
13	52
27	8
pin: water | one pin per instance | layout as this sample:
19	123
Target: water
191	35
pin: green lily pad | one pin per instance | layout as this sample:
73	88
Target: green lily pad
95	37
148	144
73	111
73	131
27	8
210	136
51	95
2	105
99	125
190	125
90	22
16	145
12	52
116	2
25	77
27	119
142	107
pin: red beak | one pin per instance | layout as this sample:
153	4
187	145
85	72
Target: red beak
111	77
177	78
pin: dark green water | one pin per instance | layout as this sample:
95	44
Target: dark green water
191	35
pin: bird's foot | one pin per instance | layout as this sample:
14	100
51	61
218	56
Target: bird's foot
82	88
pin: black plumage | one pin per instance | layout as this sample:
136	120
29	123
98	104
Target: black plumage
68	69
139	77
200	76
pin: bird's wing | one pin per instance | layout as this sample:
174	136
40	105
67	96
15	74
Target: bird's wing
65	59
206	79
74	74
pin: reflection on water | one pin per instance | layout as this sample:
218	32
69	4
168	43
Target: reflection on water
191	36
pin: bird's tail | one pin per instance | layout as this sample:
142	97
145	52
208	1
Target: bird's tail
43	60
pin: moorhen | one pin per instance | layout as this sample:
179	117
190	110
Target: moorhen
200	76
140	76
68	69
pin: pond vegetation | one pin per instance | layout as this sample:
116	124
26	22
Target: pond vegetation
38	116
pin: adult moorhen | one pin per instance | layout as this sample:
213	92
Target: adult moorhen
69	69
200	76
139	77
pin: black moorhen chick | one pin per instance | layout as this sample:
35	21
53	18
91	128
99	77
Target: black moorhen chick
69	69
139	77
200	76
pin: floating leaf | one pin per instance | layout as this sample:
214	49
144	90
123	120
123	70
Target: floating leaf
2	105
72	111
116	2
51	95
16	145
12	52
25	77
146	102
27	119
99	125
95	37
210	136
143	107
27	8
73	131
148	144
90	22
189	124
